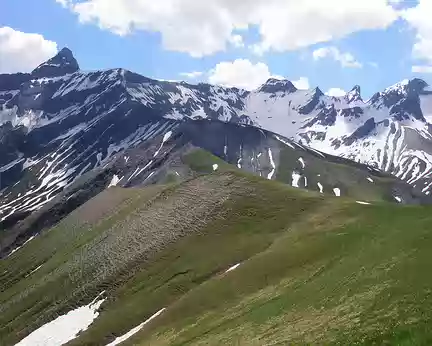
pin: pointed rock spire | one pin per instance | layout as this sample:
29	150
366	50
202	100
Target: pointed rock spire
63	63
354	94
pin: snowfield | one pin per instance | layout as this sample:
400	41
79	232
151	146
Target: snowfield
64	328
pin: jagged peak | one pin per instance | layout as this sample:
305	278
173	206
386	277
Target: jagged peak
317	91
354	94
62	63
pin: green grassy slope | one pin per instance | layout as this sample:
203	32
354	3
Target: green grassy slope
314	269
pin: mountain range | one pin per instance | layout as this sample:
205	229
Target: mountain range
143	212
59	123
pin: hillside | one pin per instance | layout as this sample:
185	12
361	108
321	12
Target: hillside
232	259
162	159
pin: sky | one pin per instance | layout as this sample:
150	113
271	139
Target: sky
333	44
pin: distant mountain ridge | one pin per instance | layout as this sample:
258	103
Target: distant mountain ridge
59	123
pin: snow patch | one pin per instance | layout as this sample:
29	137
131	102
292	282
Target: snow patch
302	162
135	330
284	142
34	270
270	175
64	328
19	247
215	167
165	138
234	267
114	181
295	179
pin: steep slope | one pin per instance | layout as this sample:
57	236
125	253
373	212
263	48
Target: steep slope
59	123
224	258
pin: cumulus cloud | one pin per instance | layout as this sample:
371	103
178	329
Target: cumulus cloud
22	52
244	74
192	75
420	20
422	69
302	83
205	27
336	92
240	73
345	59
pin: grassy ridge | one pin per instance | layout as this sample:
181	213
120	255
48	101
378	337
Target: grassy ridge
313	270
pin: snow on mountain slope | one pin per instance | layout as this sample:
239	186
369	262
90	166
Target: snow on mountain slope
58	123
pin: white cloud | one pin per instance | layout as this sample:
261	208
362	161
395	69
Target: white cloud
345	59
240	73
422	69
192	75
22	52
244	74
206	27
237	41
336	92
302	83
419	18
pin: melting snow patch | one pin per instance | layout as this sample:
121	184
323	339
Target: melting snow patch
321	188
34	270
337	192
19	247
233	268
302	162
135	330
370	179
398	199
295	179
165	138
114	181
361	202
284	142
215	167
270	175
64	328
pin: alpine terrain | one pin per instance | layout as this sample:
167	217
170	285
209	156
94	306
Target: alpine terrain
142	212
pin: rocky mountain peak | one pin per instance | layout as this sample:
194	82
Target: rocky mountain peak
354	94
274	85
61	64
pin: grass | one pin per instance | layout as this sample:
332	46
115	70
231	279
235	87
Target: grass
352	181
313	270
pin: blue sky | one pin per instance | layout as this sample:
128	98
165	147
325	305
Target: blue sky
373	43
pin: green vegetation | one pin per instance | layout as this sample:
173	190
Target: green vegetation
314	269
352	181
